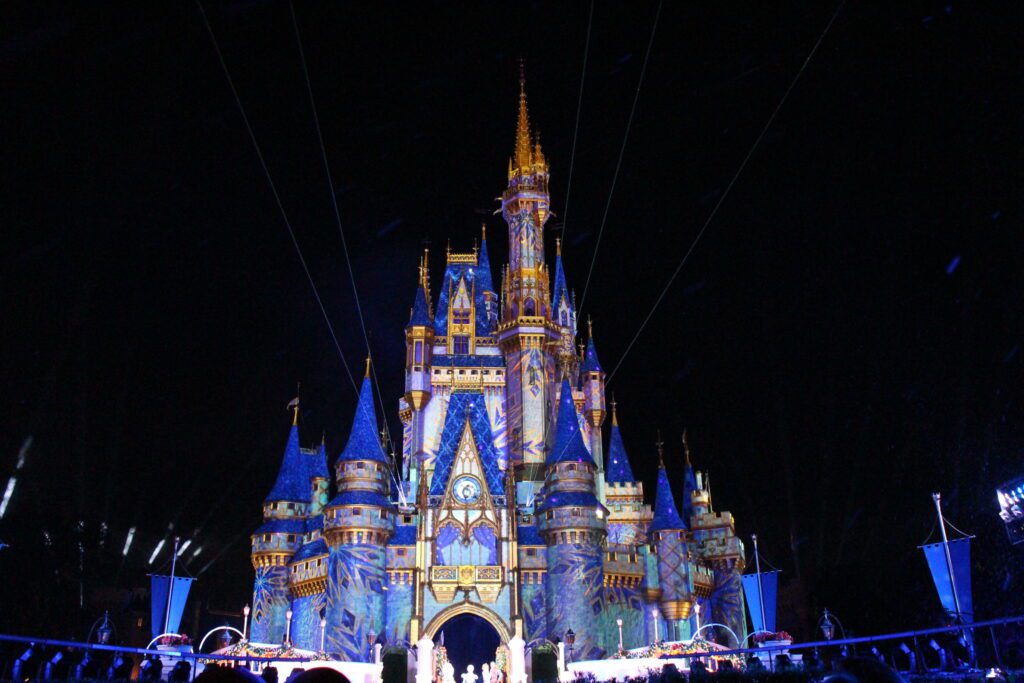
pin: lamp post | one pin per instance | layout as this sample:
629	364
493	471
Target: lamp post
654	616
696	612
245	622
618	622
288	627
371	638
570	640
105	630
323	630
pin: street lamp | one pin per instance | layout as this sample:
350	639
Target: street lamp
323	629
245	622
654	616
371	639
696	611
105	630
570	640
288	627
828	629
618	622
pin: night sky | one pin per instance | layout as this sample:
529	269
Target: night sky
844	340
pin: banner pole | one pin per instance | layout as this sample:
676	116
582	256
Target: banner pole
937	497
170	585
760	588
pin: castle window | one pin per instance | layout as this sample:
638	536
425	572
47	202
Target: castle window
406	519
611	557
290	538
383	514
576	512
460	316
356	512
531	552
550	515
360	465
564	318
291	506
530	307
400	552
460	344
632	557
266	538
418	355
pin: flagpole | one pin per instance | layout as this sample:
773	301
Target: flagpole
937	497
760	588
170	585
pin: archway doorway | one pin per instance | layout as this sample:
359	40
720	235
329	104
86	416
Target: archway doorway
469	639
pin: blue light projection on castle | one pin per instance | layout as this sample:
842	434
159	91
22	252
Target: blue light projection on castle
505	506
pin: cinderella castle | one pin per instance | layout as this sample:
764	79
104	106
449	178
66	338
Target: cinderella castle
508	507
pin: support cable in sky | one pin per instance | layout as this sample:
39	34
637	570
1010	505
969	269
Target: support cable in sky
277	197
725	194
576	129
341	229
618	165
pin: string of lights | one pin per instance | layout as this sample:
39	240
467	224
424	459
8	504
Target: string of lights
576	128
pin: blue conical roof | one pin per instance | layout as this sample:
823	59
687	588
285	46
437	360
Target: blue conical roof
665	514
319	464
619	470
363	442
420	309
483	270
590	361
292	481
569	445
561	289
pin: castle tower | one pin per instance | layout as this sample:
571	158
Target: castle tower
357	525
571	521
629	516
419	351
274	543
563	310
592	379
526	330
668	533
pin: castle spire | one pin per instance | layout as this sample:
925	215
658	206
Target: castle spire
523	157
689	482
362	440
615	415
619	470
568	439
292	484
666	516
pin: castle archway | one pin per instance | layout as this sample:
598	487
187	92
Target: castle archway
471	634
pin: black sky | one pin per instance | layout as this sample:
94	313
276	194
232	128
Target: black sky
843	341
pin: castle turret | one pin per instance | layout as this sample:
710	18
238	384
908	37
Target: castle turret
592	379
419	351
668	534
563	310
357	525
572	523
629	516
274	543
319	481
527	332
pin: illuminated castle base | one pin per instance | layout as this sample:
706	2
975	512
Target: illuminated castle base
507	506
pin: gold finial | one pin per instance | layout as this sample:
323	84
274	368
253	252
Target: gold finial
686	447
590	328
483	231
583	349
615	415
367	375
523	157
661	454
295	414
558	246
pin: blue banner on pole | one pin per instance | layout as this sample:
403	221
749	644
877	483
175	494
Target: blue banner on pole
159	587
770	582
960	554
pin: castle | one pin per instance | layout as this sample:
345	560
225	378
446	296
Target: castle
507	505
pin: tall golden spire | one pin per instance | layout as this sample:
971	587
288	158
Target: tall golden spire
615	416
523	158
367	366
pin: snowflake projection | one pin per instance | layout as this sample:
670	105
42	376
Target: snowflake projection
727	598
499	427
355	600
575	580
535	373
673	566
626	604
306	620
534	611
269	602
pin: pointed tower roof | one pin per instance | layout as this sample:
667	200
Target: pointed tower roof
561	289
319	466
568	438
590	361
420	309
666	516
292	481
523	155
483	270
363	443
689	483
619	470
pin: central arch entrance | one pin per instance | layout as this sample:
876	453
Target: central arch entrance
471	635
469	639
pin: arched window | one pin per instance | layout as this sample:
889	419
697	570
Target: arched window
530	307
